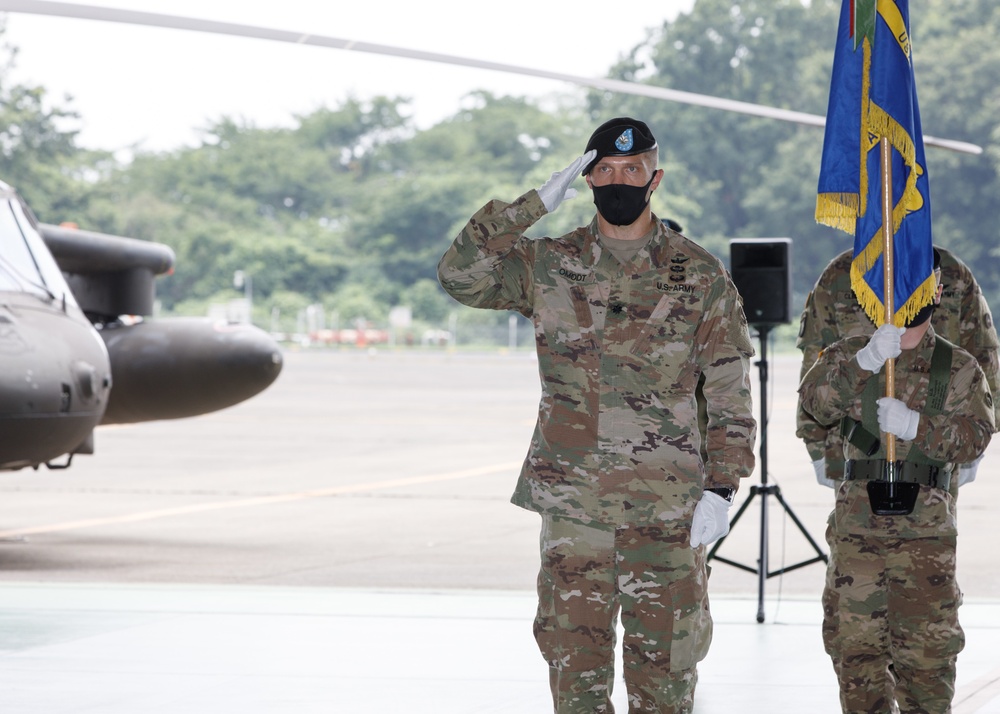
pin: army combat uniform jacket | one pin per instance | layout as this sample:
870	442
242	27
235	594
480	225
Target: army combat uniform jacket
620	351
832	312
962	430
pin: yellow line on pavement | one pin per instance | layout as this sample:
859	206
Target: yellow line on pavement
257	501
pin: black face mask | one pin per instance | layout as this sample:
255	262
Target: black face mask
621	204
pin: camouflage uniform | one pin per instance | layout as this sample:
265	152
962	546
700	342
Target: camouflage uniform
832	313
891	599
615	461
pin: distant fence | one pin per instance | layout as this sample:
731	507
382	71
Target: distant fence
517	334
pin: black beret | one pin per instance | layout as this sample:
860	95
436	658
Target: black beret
622	136
924	313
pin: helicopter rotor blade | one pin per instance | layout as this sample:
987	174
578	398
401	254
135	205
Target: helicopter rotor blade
135	17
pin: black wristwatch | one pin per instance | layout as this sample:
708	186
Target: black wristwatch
726	493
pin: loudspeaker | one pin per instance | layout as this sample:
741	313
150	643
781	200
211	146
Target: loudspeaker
760	269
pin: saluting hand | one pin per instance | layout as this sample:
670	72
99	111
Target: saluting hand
557	188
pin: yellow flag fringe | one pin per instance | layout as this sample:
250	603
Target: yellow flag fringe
866	137
881	124
875	308
838	210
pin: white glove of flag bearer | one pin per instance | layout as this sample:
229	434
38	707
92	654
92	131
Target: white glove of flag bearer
894	417
883	345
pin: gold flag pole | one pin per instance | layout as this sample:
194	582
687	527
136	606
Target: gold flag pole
888	280
890	496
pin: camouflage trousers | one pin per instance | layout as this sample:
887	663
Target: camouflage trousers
890	623
656	581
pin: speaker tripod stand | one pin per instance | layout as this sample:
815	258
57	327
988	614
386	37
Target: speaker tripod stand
763	491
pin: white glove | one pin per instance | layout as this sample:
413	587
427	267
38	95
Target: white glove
711	519
894	417
967	472
819	466
557	188
883	345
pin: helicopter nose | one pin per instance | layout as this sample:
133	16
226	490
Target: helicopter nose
53	382
179	367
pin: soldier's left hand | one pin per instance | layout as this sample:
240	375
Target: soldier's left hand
819	466
711	519
894	417
967	472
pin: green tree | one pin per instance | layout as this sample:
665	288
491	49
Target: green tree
352	207
757	178
957	65
38	152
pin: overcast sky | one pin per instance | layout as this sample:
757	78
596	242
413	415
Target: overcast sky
156	87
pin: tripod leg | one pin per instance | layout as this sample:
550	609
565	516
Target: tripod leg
802	528
762	561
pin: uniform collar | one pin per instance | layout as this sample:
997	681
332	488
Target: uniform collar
654	254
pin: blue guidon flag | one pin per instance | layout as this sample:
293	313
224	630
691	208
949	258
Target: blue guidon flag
873	95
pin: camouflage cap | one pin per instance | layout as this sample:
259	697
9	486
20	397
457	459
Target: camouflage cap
622	136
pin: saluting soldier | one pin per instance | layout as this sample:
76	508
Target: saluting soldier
628	314
832	313
890	603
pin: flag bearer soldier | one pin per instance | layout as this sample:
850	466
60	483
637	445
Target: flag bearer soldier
891	599
832	313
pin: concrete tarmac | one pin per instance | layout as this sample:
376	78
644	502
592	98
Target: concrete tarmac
347	535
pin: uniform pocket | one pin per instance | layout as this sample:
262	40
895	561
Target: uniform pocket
692	632
564	313
831	623
667	342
